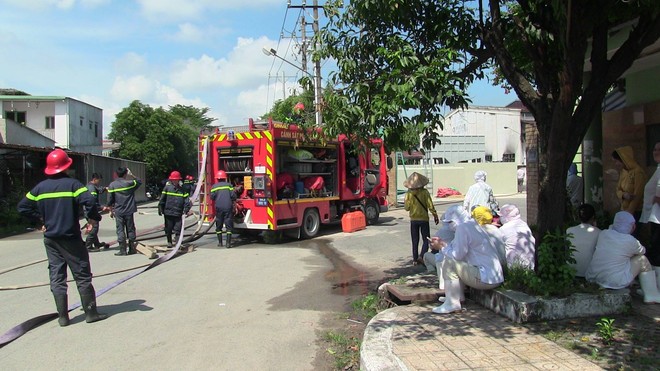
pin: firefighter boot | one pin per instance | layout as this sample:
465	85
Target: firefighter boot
131	248
88	300
219	239
62	305
89	245
122	249
169	241
229	240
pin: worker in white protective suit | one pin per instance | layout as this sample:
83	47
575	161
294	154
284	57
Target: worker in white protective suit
584	237
470	259
518	239
452	218
619	258
480	194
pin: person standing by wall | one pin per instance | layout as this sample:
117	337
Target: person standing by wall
174	202
480	194
418	203
520	175
224	197
574	186
92	241
56	203
651	213
630	188
122	206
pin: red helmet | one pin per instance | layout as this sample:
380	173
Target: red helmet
220	174
175	175
189	177
57	161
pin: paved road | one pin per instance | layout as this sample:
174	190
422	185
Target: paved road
255	306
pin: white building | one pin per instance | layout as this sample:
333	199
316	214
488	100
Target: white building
481	134
70	123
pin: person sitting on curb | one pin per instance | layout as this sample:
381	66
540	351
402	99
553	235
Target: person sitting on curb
518	239
470	258
584	237
619	258
453	217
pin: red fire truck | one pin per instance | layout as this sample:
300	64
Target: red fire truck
286	182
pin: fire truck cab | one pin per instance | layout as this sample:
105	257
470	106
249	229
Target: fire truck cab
286	182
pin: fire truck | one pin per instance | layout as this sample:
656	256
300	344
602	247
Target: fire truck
287	182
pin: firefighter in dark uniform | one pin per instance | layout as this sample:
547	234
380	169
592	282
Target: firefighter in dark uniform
92	241
122	207
56	203
223	195
189	184
174	203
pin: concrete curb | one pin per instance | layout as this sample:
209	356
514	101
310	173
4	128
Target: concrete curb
376	351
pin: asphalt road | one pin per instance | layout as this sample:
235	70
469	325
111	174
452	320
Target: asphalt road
252	307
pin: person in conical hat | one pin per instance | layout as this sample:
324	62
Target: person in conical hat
418	203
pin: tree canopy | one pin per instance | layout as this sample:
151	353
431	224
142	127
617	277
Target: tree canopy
165	139
401	61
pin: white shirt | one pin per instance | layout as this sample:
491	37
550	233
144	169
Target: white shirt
496	242
651	210
584	241
610	265
519	243
477	195
471	244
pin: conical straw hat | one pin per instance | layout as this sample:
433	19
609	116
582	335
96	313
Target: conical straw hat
416	180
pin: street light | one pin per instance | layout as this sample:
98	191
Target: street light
317	83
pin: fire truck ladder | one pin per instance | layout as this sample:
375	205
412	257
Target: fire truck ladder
426	170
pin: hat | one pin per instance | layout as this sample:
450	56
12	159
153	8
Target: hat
624	222
508	213
456	214
482	215
416	180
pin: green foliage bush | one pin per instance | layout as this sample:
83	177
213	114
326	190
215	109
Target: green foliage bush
554	276
10	220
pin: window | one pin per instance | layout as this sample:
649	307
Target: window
81	120
50	122
509	157
16	116
489	158
96	130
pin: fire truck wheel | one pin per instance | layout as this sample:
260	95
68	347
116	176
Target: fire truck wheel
311	223
371	211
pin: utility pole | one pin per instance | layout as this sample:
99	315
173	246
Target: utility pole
317	64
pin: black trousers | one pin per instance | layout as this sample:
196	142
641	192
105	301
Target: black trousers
418	227
71	252
653	251
226	218
125	228
93	236
172	224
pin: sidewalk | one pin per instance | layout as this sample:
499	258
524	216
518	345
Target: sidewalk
411	337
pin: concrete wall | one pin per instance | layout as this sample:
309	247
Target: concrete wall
500	127
13	133
85	127
501	176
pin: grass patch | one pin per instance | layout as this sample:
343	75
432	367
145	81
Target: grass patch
344	349
366	306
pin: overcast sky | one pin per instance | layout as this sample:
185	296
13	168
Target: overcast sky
206	53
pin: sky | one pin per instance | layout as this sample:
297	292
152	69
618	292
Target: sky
204	53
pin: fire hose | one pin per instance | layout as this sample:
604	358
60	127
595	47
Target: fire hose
19	330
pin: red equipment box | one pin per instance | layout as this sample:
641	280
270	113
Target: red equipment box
353	221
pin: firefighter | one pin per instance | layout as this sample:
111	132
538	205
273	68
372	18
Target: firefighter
122	207
56	202
224	197
174	202
92	241
189	184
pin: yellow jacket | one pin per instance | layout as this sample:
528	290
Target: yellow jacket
419	210
632	179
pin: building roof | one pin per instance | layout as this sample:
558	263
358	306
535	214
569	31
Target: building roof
41	98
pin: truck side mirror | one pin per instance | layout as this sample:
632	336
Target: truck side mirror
390	163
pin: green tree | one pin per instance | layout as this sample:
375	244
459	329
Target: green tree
399	62
157	137
193	116
283	109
